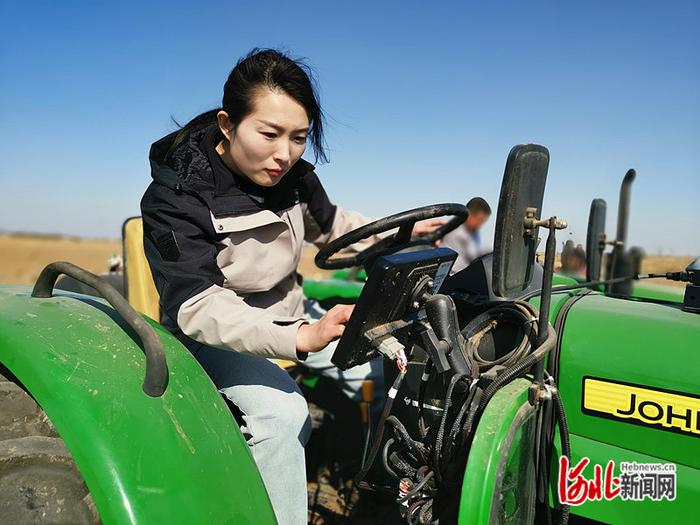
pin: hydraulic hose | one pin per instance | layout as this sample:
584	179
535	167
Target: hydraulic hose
385	458
519	369
565	443
518	312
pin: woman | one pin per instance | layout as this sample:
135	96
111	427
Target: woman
225	218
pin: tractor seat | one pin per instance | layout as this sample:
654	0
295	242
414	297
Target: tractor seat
140	290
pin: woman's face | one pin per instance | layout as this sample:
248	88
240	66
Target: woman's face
268	141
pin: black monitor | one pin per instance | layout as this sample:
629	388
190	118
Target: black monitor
388	296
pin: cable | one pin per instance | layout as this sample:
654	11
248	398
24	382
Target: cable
520	369
416	488
671	276
565	444
415	447
380	428
461	410
385	459
518	313
443	421
421	397
457	425
588	284
368	435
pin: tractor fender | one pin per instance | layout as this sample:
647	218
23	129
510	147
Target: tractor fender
500	475
177	458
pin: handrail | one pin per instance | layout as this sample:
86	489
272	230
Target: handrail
156	379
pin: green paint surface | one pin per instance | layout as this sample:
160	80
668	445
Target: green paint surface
176	459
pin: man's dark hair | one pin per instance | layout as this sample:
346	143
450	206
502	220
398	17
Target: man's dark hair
478	205
579	253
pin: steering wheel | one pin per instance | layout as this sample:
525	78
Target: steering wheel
401	240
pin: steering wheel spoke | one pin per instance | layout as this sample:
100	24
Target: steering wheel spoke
404	233
377	249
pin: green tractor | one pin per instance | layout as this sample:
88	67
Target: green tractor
621	262
510	399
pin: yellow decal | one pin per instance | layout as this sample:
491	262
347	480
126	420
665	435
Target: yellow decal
674	411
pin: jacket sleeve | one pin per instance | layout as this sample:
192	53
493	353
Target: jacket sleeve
325	222
181	250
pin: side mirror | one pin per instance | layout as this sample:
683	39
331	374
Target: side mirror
595	239
522	192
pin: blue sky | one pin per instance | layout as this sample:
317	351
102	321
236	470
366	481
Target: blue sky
425	100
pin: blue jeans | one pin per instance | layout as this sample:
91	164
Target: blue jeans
276	416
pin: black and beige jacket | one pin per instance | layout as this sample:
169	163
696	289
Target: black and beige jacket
224	251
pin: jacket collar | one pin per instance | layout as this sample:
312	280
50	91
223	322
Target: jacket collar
195	167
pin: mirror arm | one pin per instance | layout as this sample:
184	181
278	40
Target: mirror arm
530	223
553	224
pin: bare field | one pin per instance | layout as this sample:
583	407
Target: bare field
22	257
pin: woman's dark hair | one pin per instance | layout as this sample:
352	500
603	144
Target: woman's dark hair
272	69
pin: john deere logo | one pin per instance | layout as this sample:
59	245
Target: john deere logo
673	411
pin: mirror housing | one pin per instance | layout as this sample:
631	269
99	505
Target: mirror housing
595	239
522	193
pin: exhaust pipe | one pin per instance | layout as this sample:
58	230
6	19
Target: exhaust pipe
619	264
623	209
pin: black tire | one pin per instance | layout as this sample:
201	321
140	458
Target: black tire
39	482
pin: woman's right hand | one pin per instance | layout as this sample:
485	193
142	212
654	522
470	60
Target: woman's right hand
316	336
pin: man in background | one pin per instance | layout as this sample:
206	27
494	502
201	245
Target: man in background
573	260
466	240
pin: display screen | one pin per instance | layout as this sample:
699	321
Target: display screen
388	296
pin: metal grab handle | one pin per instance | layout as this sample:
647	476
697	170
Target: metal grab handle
156	379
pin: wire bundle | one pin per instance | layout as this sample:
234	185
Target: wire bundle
433	464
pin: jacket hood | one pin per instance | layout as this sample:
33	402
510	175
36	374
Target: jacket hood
193	166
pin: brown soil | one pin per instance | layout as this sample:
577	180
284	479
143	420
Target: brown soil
22	257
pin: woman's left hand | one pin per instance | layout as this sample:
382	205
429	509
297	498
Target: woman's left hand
428	226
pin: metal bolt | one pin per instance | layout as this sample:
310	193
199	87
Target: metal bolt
221	226
559	224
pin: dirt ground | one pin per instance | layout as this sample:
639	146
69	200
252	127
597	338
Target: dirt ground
22	257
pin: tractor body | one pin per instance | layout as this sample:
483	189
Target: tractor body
623	367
